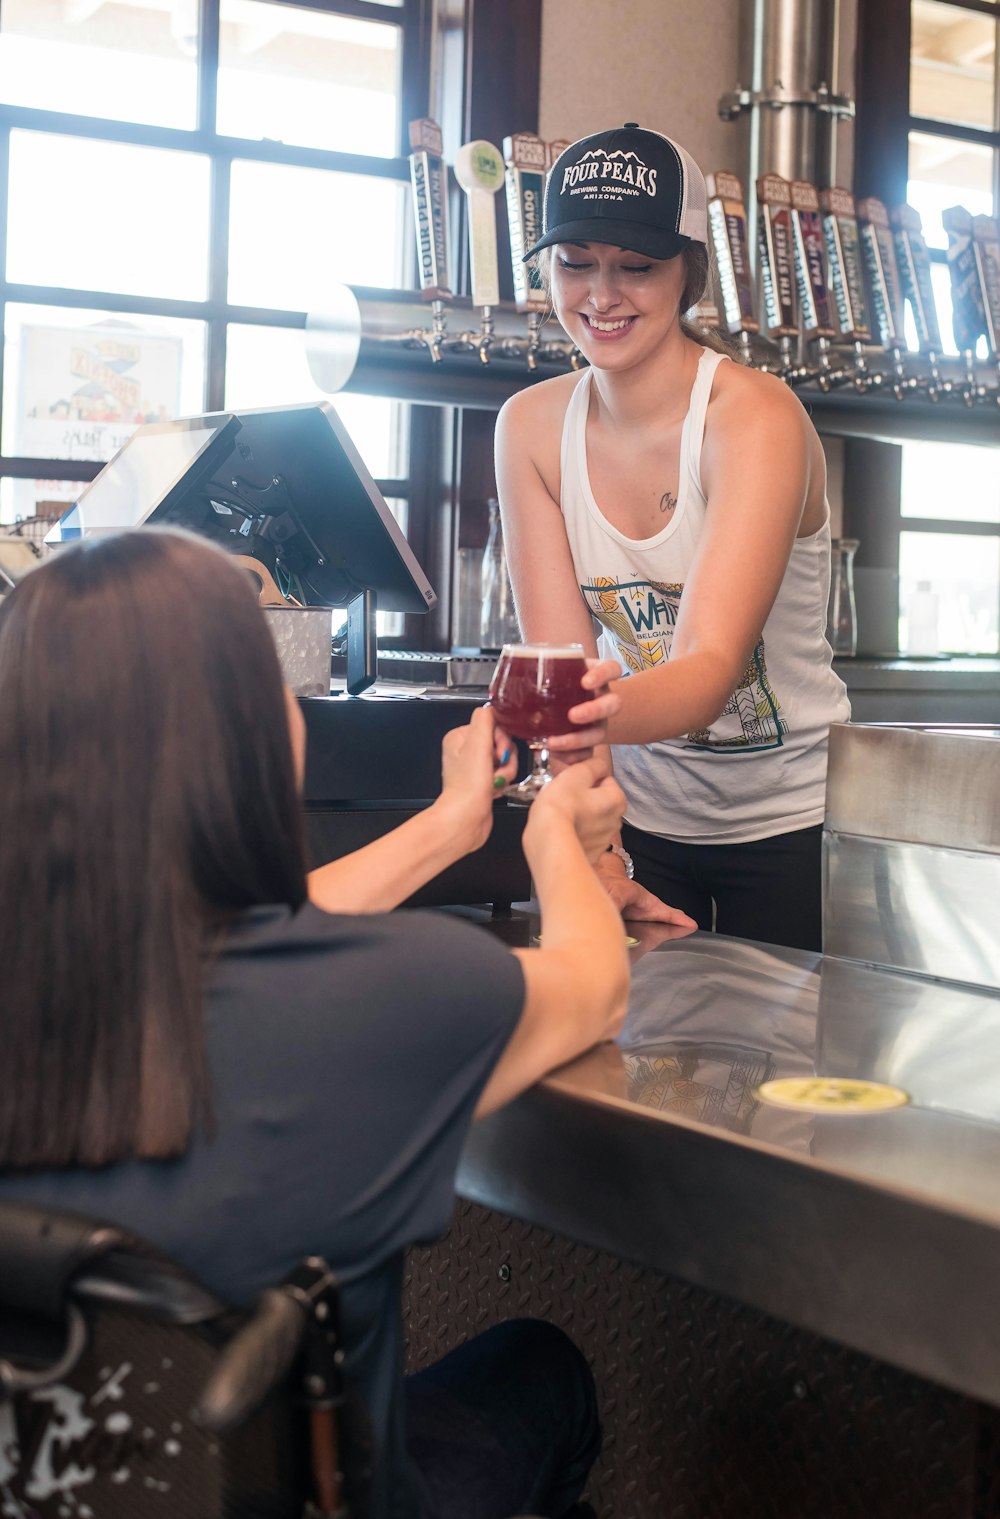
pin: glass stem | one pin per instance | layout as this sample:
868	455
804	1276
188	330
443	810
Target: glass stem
540	762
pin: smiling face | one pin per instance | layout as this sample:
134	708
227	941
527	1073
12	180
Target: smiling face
616	305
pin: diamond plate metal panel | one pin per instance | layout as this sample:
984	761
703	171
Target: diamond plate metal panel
710	1409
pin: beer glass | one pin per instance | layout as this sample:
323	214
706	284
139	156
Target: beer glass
533	687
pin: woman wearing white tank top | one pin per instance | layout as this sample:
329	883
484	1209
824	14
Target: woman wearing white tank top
678	500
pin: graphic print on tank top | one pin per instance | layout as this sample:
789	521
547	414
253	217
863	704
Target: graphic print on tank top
641	615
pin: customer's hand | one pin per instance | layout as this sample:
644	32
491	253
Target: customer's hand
633	900
471	771
591	715
589	799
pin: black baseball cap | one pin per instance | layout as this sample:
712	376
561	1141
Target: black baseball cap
629	187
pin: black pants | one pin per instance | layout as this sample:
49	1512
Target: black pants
506	1424
769	890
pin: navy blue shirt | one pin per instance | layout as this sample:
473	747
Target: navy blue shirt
347	1056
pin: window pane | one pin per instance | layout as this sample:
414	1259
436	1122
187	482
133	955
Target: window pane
107	216
302	77
35	502
965	574
295	232
952	64
134	61
943	173
76	383
266	366
950	480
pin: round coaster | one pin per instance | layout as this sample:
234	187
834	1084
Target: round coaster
832	1094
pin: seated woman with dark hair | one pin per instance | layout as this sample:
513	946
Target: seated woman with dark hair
248	1064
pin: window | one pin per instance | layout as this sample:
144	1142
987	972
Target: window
950	539
950	497
182	182
954	121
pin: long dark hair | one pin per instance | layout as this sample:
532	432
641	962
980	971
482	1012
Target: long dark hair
147	795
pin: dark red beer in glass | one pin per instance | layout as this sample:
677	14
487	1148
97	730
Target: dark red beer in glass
533	688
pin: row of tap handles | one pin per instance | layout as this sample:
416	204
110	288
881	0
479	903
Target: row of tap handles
835	276
836	271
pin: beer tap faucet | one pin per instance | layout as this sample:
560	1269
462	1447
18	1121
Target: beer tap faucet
438	331
972	390
827	378
534	339
485	334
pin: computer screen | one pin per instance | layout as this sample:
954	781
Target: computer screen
284	485
146	474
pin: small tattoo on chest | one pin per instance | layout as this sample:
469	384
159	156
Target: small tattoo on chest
667	502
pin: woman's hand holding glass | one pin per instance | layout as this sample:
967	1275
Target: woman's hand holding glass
474	758
591	717
588	798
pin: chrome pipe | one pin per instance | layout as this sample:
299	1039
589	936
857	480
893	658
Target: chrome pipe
788	58
378	342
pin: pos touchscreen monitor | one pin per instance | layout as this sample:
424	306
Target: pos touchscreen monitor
284	486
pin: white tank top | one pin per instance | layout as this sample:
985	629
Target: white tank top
760	769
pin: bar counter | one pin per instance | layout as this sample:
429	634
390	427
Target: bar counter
804	1256
880	1230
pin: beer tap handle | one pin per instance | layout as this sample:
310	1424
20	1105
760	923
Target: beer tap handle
525	158
968	307
840	231
777	267
885	292
429	185
727	222
986	246
480	173
812	279
914	265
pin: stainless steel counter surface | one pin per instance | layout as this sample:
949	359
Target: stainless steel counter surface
880	1231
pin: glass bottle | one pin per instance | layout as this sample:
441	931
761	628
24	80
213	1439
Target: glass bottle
498	624
842	617
922	609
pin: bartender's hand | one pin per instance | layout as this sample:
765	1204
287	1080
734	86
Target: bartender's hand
589	798
633	900
473	771
591	715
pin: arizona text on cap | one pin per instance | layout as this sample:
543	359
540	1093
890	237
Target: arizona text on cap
629	187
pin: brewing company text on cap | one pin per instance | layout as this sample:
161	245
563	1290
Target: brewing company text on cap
630	187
